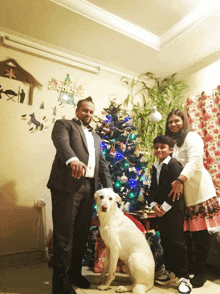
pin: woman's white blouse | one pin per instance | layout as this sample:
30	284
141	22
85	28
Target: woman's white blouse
199	186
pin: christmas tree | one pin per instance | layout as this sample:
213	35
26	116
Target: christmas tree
123	154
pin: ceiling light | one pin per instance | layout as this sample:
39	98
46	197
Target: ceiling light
49	53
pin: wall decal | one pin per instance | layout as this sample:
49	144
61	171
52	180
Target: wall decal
67	90
10	73
38	126
35	122
10	93
42	105
22	95
54	110
11	69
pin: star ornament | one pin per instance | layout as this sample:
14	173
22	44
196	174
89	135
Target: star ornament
10	74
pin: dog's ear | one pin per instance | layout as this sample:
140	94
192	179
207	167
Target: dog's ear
118	198
96	195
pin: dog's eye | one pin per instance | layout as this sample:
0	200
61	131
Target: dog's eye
110	198
101	197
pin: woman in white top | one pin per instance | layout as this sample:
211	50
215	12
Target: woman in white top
202	208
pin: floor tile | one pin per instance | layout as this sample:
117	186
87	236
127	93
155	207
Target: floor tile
27	279
36	279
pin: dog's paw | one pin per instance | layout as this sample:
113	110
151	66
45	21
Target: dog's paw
122	289
103	287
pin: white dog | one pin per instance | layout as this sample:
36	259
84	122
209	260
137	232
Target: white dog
125	241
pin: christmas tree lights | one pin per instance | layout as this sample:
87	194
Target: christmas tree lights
123	154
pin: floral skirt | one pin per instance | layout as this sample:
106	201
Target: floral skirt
202	216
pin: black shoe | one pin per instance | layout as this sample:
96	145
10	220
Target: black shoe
63	289
198	280
80	282
69	291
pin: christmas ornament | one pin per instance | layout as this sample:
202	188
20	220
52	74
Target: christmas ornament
121	116
123	146
113	151
155	115
106	129
124	179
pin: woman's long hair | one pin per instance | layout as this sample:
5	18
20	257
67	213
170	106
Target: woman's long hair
180	137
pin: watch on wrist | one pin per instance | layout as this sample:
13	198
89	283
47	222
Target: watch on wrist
181	181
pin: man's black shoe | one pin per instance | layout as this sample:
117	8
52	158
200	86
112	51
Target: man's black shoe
198	280
70	291
63	289
80	282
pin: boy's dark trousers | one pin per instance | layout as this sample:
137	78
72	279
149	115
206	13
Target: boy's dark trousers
173	240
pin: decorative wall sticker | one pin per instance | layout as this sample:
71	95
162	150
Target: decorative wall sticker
67	90
38	126
21	96
54	110
1	91
42	105
66	98
11	69
10	73
61	105
10	93
34	121
45	128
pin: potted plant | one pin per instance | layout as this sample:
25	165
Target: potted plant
145	93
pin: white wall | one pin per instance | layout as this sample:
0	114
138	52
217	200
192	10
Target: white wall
206	79
26	157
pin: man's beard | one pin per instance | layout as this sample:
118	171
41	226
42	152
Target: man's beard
85	122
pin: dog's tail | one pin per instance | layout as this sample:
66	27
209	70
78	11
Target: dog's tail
141	288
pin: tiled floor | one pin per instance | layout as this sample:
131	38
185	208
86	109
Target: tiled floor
36	279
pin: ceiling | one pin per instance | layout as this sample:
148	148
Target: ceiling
131	36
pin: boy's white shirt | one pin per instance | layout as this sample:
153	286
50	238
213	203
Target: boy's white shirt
165	206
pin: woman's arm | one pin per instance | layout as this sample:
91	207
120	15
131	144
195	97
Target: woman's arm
193	150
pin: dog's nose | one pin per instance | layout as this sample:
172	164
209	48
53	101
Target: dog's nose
104	207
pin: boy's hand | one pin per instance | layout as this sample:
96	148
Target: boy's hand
158	210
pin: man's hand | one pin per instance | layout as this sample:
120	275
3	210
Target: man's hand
158	210
78	169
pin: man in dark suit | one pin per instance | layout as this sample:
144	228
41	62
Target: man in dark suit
78	164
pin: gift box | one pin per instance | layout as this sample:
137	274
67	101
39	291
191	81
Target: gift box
100	256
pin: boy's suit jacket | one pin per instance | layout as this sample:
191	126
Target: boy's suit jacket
169	172
70	141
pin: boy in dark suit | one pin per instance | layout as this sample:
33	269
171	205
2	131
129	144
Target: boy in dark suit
170	215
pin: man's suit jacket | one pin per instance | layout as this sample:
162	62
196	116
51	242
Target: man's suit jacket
169	172
70	141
